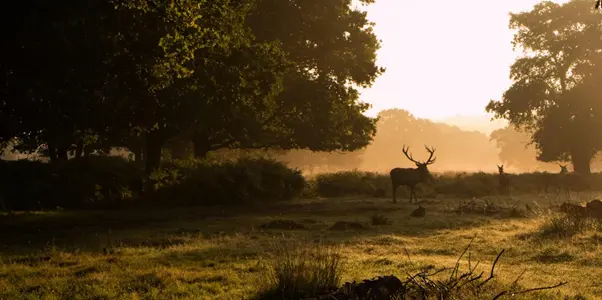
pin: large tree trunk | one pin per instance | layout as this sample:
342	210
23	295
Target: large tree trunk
201	146
152	152
62	154
88	149
52	152
79	149
180	149
581	160
137	154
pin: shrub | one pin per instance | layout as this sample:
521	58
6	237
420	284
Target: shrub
462	184
564	225
246	180
87	182
377	219
350	183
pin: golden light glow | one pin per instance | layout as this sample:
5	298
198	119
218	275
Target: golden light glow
444	58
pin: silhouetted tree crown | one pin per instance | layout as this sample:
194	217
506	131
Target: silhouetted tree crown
221	73
555	91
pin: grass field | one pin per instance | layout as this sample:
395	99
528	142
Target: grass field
209	253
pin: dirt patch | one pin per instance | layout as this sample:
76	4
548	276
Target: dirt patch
345	225
282	224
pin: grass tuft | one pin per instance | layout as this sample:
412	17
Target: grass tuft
378	219
299	271
565	225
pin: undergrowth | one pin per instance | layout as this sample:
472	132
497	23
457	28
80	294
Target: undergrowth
480	184
554	224
314	272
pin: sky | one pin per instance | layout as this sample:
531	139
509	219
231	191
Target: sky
443	58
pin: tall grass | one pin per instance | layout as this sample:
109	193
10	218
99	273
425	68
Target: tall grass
298	270
555	224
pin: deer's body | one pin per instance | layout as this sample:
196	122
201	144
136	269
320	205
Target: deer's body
504	180
559	181
407	177
410	177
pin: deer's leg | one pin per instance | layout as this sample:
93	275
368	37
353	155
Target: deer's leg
411	193
394	190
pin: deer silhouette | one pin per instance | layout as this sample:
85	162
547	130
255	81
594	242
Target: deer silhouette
558	180
410	177
504	180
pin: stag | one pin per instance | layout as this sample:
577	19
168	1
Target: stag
410	177
504	180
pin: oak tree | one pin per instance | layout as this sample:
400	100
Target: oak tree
553	93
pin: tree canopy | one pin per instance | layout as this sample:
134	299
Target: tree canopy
554	92
85	76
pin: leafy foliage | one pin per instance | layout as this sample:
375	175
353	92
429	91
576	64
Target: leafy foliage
99	182
553	93
212	72
247	180
87	182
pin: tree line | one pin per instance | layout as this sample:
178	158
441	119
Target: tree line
82	77
195	76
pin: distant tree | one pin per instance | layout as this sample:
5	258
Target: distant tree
456	148
331	161
556	91
516	149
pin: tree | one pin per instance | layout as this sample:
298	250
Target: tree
137	73
554	94
516	149
459	149
160	67
54	65
330	48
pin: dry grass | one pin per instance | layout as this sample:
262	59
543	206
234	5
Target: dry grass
210	254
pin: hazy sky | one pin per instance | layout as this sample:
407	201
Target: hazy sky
443	58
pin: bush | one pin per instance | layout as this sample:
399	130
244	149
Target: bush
564	225
87	182
350	183
246	180
463	184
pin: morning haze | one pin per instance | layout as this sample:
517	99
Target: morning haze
301	149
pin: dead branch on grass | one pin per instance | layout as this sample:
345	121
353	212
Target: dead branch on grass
423	285
483	207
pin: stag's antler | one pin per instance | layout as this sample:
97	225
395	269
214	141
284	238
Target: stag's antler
409	156
429	161
432	152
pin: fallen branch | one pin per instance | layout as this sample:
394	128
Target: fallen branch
422	285
506	293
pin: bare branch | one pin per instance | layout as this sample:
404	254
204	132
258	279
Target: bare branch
492	268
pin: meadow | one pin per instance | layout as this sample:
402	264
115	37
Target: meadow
341	228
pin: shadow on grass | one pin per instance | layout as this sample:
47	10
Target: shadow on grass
96	231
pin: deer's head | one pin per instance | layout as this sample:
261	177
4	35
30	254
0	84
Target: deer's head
500	169
563	169
422	166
